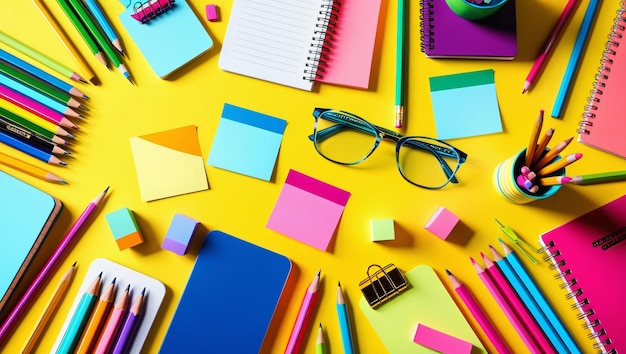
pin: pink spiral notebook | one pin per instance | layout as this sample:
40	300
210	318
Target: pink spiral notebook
590	255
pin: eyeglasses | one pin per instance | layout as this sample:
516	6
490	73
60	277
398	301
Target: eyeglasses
347	139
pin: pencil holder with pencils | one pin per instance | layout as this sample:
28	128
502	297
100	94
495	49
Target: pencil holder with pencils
509	184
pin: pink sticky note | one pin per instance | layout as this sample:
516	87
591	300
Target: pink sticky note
440	341
442	223
308	210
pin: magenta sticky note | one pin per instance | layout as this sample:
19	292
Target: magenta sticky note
441	342
308	210
442	223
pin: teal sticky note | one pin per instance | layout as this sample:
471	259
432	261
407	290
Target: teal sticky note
247	142
465	105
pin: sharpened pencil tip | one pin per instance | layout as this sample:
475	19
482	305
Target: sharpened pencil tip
74	265
63	181
448	272
106	189
63	163
83	80
85	108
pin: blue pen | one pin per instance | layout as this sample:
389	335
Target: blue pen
536	293
574	60
97	13
30	150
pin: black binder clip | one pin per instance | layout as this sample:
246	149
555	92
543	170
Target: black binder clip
382	285
149	9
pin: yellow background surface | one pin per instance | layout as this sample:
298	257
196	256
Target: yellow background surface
241	205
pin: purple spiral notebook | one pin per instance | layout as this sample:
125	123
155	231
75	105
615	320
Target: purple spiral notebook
444	34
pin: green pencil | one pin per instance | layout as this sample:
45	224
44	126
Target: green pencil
28	125
601	177
399	107
95	50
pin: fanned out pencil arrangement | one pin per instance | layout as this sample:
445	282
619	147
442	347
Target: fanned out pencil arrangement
542	164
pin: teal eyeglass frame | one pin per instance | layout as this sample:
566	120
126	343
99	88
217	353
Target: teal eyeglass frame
348	120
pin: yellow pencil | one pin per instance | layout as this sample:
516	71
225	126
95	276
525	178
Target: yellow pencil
51	308
96	321
91	76
534	136
550	155
30	169
553	180
557	165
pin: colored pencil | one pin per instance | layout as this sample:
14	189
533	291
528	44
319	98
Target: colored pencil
553	180
400	63
93	29
550	155
38	96
543	144
35	108
601	177
559	164
550	42
49	266
344	322
30	138
539	297
529	302
113	324
40	86
40	57
478	313
40	74
320	342
131	325
575	57
517	306
30	150
31	121
96	320
98	14
29	169
51	308
80	317
7	117
67	43
80	27
521	330
534	137
297	332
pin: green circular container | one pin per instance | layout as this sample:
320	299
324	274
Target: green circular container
471	11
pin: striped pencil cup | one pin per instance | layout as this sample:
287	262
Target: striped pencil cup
504	181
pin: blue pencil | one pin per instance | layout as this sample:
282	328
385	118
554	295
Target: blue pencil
33	94
97	13
34	71
30	150
536	293
574	60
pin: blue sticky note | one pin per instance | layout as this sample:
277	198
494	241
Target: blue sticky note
465	105
247	142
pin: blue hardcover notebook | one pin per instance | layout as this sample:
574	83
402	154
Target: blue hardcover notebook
230	298
26	216
171	36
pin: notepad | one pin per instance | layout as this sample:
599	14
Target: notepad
247	142
308	210
426	302
169	163
173	38
26	216
297	43
465	104
230	298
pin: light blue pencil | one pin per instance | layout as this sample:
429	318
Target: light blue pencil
31	93
541	300
574	59
97	13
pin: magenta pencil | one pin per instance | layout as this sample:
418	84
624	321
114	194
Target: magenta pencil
479	315
295	338
516	304
35	108
506	308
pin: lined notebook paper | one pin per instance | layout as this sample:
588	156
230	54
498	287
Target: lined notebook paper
296	43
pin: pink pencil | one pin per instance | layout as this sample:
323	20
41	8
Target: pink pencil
552	38
35	108
105	342
506	308
295	339
478	314
517	305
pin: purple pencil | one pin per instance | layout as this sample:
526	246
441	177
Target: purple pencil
130	326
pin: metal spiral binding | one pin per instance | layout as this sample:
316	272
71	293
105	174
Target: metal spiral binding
322	40
604	70
427	29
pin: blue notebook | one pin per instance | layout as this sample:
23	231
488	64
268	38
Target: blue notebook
26	216
230	298
170	38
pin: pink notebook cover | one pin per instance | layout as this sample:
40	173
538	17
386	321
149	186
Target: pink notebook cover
447	35
592	247
604	118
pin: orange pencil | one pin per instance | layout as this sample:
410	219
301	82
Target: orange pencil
550	155
543	144
557	165
29	169
534	136
96	320
106	340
